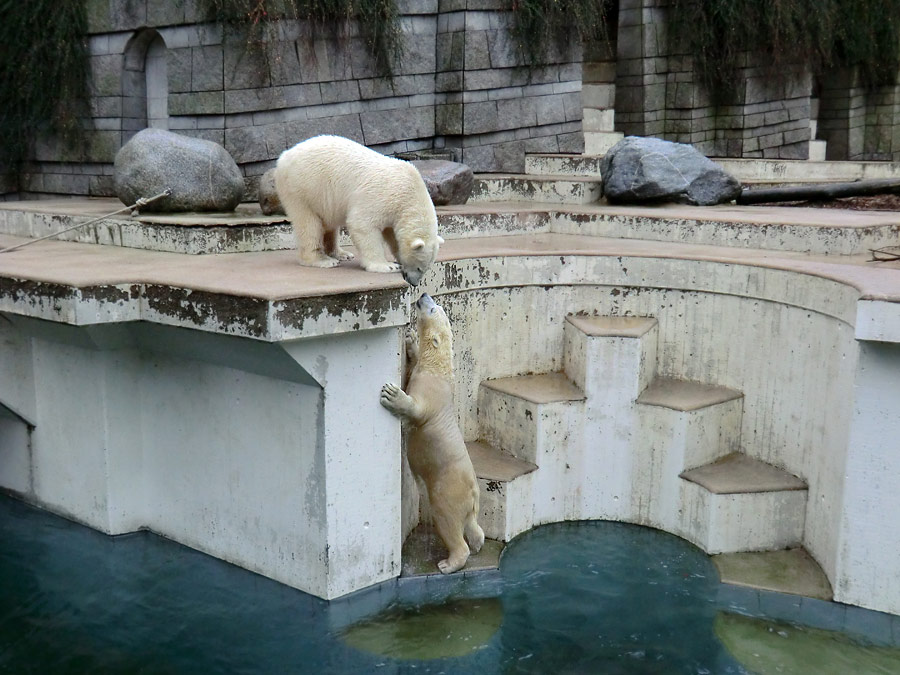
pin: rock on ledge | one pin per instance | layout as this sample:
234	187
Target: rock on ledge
447	182
639	170
201	174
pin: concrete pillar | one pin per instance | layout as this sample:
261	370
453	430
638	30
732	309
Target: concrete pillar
868	567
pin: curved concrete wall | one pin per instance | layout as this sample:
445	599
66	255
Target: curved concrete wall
784	339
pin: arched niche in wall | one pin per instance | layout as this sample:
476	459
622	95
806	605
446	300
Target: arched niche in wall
145	84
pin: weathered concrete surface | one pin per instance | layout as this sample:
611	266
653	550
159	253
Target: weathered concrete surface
825	231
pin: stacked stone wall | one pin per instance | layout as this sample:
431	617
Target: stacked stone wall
858	122
659	93
460	87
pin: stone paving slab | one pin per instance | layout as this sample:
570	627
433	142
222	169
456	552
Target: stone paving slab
790	571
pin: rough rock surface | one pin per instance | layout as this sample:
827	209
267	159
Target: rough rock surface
201	174
638	170
447	182
268	195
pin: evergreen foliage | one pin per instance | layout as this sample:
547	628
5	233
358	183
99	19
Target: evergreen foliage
43	73
378	21
538	26
819	33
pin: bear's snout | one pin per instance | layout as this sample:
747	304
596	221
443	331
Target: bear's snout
412	278
424	301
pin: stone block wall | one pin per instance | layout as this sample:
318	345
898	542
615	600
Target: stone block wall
493	109
460	87
658	93
858	122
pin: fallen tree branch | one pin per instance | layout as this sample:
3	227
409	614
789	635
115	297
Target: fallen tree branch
885	254
819	191
143	201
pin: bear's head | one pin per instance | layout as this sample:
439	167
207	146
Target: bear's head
416	256
435	336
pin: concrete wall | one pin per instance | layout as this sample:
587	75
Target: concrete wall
249	458
782	344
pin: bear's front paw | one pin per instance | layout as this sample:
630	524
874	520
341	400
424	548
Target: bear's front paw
390	394
383	267
412	344
341	254
320	261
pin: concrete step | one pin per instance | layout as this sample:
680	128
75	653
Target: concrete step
787	571
513	410
554	164
539	419
610	353
805	171
737	473
505	483
684	395
683	425
541	189
742	504
612	358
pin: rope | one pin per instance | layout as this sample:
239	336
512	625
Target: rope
143	201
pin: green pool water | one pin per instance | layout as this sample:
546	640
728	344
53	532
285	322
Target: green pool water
591	597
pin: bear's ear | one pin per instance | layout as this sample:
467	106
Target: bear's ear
440	240
436	341
417	245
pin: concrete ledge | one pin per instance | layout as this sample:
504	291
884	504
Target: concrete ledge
544	388
612	326
495	464
739	474
683	395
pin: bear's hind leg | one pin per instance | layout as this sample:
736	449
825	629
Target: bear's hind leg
369	242
333	248
451	533
474	533
310	235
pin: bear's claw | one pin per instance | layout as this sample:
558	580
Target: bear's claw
390	392
341	254
383	267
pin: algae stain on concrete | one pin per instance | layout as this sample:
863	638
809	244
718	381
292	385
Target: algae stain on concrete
446	630
768	647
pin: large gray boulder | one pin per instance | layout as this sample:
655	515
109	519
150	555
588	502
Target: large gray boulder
269	202
201	174
639	170
447	182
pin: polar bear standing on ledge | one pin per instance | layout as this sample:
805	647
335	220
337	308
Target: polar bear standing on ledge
328	182
436	449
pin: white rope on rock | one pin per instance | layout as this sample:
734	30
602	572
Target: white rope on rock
143	201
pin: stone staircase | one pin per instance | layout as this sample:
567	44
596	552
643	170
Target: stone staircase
608	438
575	179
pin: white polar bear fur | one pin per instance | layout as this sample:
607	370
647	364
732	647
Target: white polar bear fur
328	182
436	450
